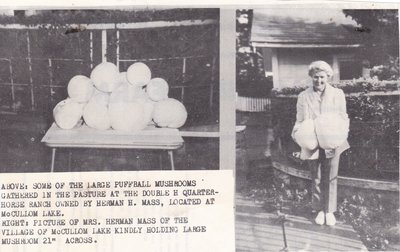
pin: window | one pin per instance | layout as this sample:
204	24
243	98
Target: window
349	66
350	69
267	53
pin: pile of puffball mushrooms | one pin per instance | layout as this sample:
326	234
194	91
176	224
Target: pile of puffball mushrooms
127	101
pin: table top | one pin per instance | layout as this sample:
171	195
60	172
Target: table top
86	137
209	130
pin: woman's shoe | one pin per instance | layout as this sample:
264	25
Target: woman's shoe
320	219
330	219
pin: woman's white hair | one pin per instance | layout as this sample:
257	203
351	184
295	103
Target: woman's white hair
318	66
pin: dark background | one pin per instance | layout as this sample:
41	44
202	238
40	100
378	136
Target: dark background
37	64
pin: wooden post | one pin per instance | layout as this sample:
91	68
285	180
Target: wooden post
275	68
335	68
214	61
171	159
183	69
53	158
103	45
117	50
51	78
227	149
30	70
183	78
91	49
212	82
182	93
12	84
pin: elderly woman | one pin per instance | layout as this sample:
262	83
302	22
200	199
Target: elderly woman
313	103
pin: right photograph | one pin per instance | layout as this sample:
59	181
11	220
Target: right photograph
317	142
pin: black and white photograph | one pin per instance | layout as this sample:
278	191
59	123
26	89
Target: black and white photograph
317	160
109	89
110	130
184	127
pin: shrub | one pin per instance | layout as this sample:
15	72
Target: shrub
373	217
348	86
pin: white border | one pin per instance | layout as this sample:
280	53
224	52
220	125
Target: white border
230	4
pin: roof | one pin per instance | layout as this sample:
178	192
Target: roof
303	28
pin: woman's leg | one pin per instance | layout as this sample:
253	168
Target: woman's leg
317	199
316	195
329	180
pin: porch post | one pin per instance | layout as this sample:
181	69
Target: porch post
335	68
275	68
104	45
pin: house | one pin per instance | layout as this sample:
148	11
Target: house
290	39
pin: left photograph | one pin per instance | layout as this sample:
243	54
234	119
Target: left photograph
109	90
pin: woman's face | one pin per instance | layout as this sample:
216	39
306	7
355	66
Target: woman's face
320	79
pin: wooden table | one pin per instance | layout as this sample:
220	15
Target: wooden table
206	131
202	131
86	137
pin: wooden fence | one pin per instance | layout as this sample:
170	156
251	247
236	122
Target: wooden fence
36	62
253	104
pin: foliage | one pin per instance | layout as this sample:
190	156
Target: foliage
380	36
373	217
284	197
277	194
250	77
348	86
389	71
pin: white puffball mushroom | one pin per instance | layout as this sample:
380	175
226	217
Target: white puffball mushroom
127	116
125	93
95	115
67	113
123	78
100	97
157	89
80	88
305	135
148	106
169	113
138	74
332	130
105	76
